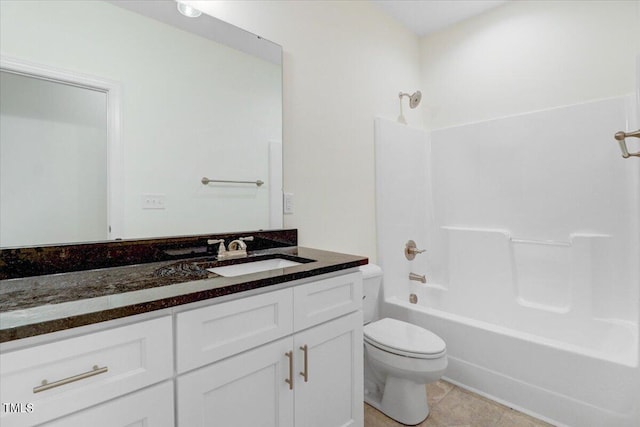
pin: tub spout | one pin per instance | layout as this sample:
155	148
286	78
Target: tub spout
418	277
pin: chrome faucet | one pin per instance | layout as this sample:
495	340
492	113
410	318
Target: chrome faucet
237	248
418	277
237	245
240	244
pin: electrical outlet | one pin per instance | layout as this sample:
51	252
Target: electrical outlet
287	203
153	201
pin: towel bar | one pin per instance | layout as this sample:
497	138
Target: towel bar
206	181
621	136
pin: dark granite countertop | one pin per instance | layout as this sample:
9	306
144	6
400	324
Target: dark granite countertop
36	305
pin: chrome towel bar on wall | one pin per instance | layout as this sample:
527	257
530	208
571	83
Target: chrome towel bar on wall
206	181
621	136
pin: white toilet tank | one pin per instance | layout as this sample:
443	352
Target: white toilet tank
371	281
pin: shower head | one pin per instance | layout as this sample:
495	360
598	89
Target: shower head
414	98
414	101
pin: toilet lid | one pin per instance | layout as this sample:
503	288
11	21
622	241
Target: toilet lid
404	338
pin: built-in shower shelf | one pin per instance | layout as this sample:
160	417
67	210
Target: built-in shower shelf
555	276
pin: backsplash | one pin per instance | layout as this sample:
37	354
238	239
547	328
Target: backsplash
53	259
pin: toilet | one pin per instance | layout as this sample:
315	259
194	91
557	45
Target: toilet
399	359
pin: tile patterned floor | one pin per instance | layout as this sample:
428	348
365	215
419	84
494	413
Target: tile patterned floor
451	406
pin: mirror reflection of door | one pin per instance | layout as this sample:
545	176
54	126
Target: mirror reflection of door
53	162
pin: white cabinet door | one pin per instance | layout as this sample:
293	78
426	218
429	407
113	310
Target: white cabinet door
265	386
244	390
332	394
146	408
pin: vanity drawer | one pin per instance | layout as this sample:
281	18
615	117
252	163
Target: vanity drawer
326	299
152	407
83	371
208	334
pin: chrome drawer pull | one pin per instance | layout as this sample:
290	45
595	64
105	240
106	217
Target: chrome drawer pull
47	385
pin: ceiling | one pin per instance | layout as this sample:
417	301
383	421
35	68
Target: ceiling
428	16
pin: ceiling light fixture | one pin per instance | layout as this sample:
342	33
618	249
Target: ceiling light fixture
188	11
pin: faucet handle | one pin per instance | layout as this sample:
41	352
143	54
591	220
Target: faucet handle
221	248
246	239
410	250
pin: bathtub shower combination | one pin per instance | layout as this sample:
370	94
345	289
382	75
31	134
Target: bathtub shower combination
530	225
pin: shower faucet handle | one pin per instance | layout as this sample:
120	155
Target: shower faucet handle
410	250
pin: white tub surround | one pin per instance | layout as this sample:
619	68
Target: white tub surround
530	223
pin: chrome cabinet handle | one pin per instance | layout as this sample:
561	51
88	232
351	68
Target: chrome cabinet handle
621	136
289	380
47	385
305	373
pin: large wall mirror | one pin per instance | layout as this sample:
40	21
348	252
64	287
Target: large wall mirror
112	113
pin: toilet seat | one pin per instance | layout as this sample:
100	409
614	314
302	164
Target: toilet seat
404	339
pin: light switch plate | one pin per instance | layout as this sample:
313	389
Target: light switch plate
153	201
287	203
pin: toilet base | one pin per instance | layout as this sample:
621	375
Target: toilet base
403	400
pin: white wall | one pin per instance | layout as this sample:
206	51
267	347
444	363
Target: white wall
344	63
525	56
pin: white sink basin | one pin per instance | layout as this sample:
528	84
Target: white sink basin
252	267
